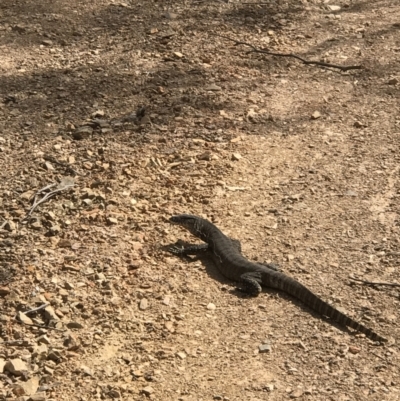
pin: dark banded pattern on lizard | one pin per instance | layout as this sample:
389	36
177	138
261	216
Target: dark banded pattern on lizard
252	276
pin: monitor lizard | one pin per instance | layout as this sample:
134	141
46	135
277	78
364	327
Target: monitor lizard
252	276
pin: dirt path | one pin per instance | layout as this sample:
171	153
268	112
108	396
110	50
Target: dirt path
299	163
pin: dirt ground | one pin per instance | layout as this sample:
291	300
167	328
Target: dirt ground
135	111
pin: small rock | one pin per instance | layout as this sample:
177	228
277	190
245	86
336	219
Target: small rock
30	387
170	15
178	54
354	350
358	124
236	156
148	390
54	356
144	304
49	166
213	88
64	243
16	366
112	220
24	319
47	42
82	133
36	225
49	370
181	355
50	314
205	156
393	81
334	8
296	393
40	351
74	325
2	365
10	226
350	193
4	291
40	396
169	326
114	393
263	348
86	370
315	115
43	340
211	306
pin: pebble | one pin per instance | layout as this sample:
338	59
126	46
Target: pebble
148	390
211	306
16	366
74	325
144	304
213	88
354	350
114	393
236	156
50	314
30	387
296	393
112	220
24	319
43	340
315	115
350	193
334	8
86	370
41	396
181	355
170	15
2	365
263	348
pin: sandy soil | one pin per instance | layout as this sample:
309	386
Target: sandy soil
136	111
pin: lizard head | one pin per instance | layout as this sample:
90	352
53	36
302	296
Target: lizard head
186	220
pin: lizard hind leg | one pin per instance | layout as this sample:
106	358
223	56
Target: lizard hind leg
250	283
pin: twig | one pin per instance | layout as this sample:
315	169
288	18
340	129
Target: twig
304	61
64	184
374	282
36	309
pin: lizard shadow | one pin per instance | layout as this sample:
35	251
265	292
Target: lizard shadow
212	270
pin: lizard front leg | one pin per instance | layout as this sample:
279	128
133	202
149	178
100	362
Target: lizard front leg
184	250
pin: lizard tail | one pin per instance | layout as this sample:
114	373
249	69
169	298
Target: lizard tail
292	287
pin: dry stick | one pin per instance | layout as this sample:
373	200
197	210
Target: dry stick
374	282
36	309
46	197
304	61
